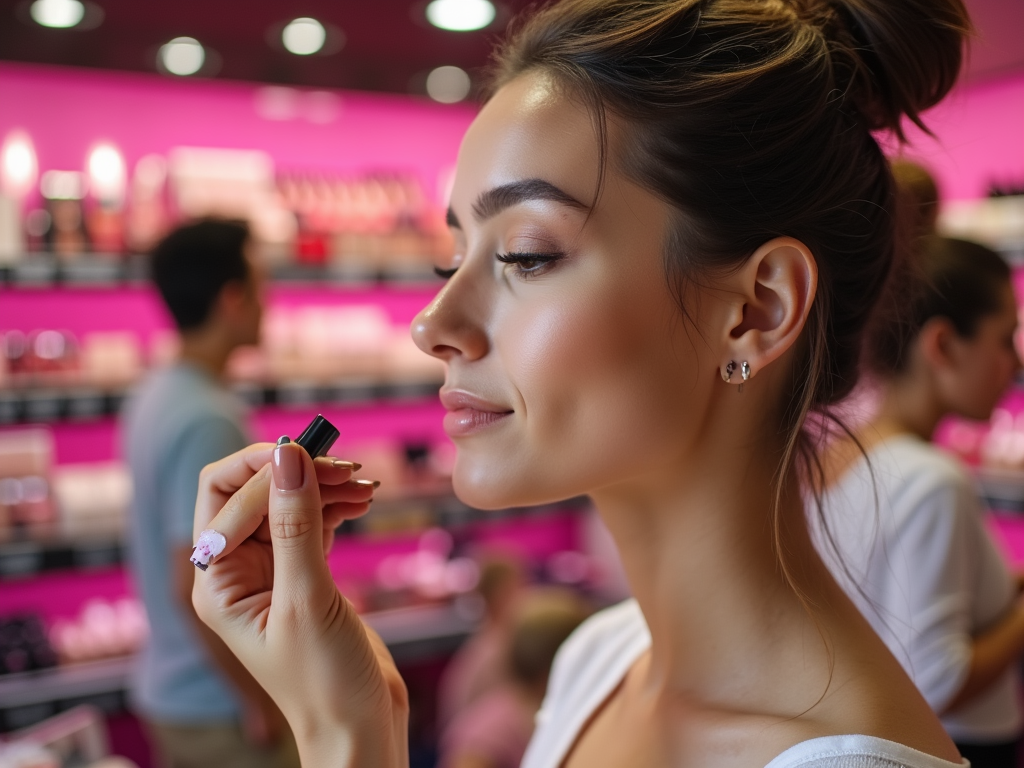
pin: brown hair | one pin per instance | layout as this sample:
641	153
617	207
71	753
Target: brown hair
919	194
753	119
544	620
955	279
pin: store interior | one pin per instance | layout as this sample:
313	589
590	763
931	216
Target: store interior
340	161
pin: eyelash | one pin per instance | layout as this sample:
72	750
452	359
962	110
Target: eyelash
519	259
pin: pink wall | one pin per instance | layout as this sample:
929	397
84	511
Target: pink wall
980	127
139	309
980	138
66	111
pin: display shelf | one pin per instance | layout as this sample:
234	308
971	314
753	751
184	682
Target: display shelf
44	270
34	405
26	558
1002	489
28	697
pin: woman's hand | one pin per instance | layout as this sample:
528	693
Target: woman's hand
272	599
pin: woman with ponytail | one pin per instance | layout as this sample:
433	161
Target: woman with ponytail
905	533
672	221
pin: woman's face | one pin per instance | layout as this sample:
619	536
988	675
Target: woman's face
983	364
569	365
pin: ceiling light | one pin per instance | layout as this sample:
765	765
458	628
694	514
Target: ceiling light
57	13
304	36
182	56
461	15
448	85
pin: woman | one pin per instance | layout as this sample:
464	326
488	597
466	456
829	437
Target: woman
670	223
927	575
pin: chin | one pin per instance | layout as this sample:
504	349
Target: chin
494	486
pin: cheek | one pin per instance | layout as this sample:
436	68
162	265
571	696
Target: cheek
989	372
603	381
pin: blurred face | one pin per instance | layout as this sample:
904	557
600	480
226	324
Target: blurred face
983	365
569	367
250	307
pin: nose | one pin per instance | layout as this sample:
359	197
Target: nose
452	325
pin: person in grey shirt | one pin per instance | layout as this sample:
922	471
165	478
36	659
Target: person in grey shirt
199	703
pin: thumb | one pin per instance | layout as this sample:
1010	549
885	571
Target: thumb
296	523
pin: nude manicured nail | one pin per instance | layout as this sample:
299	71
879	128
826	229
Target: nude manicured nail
339	464
209	544
368	483
287	468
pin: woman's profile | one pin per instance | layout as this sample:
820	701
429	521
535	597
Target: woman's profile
671	223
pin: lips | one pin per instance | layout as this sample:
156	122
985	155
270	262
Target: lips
468	414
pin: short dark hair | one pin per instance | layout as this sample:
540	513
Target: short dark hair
192	265
945	277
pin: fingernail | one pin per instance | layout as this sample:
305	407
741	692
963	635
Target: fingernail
368	483
287	468
340	464
208	546
283	440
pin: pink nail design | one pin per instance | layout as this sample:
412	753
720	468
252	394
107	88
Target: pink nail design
209	545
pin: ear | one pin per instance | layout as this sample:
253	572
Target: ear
231	298
773	293
937	342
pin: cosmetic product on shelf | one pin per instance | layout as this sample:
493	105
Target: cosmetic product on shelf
64	193
92	500
26	503
102	629
24	645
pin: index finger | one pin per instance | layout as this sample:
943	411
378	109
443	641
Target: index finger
234	496
218	482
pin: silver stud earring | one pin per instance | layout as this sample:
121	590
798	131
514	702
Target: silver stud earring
728	372
744	373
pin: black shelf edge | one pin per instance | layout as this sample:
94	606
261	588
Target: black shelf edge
108	271
24	559
47	405
29	697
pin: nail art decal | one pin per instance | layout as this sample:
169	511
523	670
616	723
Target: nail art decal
209	545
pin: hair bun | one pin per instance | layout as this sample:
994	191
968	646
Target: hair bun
901	56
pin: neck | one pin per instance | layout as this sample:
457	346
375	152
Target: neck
908	405
699	551
206	350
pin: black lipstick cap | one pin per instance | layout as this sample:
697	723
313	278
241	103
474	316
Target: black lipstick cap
318	437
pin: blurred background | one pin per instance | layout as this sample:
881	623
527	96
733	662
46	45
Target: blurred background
332	129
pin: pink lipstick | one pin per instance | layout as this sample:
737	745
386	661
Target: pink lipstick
468	414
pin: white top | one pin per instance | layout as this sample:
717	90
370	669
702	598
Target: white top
925	573
595	659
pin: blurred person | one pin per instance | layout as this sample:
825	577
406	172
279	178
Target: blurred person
199	703
478	666
919	197
905	532
495	730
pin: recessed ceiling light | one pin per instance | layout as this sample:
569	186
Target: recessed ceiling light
182	56
60	14
461	15
304	36
448	84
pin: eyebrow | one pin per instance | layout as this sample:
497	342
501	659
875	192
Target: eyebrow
494	201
